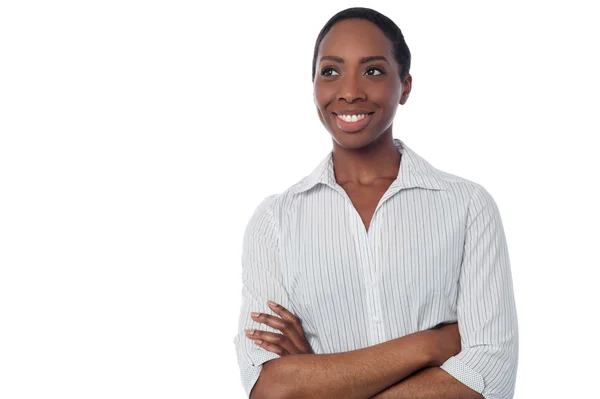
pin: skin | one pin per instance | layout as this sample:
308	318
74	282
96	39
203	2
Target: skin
418	377
291	342
368	156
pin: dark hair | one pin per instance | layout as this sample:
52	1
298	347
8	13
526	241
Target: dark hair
387	26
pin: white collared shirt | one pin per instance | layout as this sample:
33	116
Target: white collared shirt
435	252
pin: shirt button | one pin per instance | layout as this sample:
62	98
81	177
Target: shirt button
376	319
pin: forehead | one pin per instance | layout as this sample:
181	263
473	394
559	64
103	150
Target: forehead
355	38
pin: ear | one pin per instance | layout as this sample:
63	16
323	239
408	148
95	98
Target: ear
406	88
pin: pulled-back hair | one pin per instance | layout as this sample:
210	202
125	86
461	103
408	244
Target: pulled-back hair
387	26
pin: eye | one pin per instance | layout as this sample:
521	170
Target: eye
328	71
375	72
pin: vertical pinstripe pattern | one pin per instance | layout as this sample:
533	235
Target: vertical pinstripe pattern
435	252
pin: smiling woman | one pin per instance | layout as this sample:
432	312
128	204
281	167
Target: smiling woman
360	75
373	250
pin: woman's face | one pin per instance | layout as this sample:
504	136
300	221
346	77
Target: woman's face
357	85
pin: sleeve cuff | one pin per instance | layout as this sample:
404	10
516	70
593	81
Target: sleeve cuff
465	374
251	370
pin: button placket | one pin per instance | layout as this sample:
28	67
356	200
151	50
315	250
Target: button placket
366	260
373	238
366	241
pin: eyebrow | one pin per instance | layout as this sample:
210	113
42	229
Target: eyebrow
363	60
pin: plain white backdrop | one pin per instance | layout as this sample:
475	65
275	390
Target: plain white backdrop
137	138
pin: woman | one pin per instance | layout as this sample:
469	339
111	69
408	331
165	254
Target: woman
370	253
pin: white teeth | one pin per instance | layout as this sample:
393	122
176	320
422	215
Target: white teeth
352	118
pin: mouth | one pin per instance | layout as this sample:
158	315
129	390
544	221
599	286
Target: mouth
351	123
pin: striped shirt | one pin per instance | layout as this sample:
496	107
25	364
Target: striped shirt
435	252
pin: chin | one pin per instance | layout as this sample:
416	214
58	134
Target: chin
354	140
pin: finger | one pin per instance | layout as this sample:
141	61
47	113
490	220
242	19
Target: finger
271	347
284	326
278	340
288	316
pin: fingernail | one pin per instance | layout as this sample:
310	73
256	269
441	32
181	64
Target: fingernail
254	314
258	342
273	304
250	332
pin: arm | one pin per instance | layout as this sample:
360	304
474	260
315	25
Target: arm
261	281
487	318
487	364
486	310
355	374
429	383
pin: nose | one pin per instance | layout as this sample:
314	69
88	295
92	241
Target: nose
350	89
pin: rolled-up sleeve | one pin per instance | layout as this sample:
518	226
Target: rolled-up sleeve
486	310
261	282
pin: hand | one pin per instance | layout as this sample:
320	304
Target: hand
291	342
445	343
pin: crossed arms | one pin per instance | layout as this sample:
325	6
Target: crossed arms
399	368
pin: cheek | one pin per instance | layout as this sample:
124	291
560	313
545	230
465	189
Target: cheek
323	97
389	97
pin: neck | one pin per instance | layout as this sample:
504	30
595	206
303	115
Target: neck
380	160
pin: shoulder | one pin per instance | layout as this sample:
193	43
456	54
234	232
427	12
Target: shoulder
472	194
458	184
266	204
262	222
477	198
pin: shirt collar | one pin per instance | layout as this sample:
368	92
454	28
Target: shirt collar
414	171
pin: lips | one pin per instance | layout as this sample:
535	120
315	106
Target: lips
354	121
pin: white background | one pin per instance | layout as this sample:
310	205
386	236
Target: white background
137	138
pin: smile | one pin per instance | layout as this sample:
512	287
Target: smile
352	118
353	123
